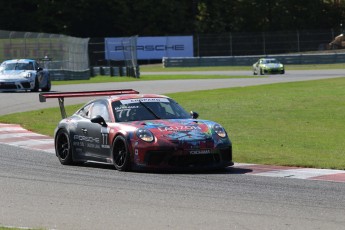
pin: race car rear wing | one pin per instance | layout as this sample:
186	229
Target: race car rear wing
61	96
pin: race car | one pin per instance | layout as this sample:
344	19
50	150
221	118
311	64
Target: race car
268	66
135	131
23	74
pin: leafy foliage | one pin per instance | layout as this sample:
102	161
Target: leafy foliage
102	18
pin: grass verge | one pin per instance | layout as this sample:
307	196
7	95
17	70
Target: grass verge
104	79
292	124
159	68
167	76
13	228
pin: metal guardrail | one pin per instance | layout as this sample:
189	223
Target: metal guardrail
65	57
326	58
62	75
114	71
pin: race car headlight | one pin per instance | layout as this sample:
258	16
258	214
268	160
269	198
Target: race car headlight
145	135
219	130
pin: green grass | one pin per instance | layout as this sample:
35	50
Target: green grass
159	68
315	66
295	124
48	118
166	76
13	228
104	79
292	124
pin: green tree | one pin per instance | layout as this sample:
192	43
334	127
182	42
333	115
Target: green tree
103	18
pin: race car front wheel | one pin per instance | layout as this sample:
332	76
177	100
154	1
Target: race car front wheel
47	87
121	157
261	72
37	85
63	148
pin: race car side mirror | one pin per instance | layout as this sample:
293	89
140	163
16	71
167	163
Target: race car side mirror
39	69
99	120
194	115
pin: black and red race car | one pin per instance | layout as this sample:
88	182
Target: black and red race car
136	131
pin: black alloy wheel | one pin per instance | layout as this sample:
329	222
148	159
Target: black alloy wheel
121	156
63	148
47	87
37	85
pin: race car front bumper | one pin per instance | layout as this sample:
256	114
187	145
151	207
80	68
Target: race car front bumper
15	85
174	158
273	70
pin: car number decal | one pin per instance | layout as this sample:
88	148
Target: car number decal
105	137
124	111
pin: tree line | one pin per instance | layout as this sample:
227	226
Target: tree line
115	18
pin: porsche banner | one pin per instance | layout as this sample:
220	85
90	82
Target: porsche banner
150	47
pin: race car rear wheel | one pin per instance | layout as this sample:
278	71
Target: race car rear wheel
63	148
121	157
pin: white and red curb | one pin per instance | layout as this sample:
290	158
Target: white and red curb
15	135
293	172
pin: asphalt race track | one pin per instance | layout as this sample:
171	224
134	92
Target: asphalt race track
37	191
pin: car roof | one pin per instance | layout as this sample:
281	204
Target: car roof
135	96
19	60
268	59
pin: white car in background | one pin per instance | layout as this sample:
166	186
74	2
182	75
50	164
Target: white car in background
268	66
23	74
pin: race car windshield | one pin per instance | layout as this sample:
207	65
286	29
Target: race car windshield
18	66
147	109
271	61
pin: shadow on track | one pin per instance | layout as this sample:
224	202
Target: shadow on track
227	170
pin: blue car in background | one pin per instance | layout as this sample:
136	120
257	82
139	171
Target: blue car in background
23	74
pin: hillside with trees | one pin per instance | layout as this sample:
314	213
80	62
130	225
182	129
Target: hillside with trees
104	18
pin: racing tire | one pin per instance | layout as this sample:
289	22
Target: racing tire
121	156
282	72
261	72
48	86
37	85
63	148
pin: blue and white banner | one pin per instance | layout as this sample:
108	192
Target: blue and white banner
149	47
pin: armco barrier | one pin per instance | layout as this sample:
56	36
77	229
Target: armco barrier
61	75
115	71
325	58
